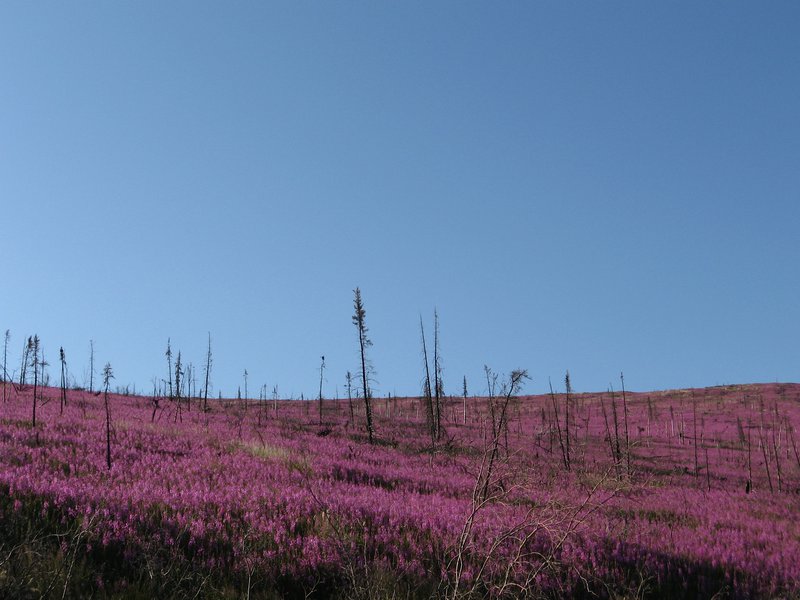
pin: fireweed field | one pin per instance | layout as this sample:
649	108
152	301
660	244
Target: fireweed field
532	496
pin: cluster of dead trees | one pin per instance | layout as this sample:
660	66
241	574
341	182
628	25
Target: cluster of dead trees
433	391
775	437
615	439
33	366
180	386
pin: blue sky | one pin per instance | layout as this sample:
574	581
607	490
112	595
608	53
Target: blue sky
587	186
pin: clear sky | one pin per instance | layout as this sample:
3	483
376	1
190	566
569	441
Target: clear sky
596	186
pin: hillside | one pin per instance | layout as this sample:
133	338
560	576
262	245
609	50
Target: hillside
680	493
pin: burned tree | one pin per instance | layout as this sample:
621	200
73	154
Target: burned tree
63	359
108	375
617	448
27	348
427	391
245	390
694	434
465	399
608	436
438	391
625	413
5	363
168	354
34	345
557	418
568	391
178	376
188	380
321	375
91	366
263	406
359	320
349	379
155	400
207	373
500	419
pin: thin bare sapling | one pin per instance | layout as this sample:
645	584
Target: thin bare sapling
108	375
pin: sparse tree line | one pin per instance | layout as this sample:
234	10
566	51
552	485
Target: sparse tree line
559	424
565	423
179	387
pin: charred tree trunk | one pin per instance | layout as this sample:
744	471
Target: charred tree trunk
430	414
557	418
107	376
5	364
208	372
438	391
363	342
625	413
465	399
349	378
63	358
91	365
321	376
35	380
